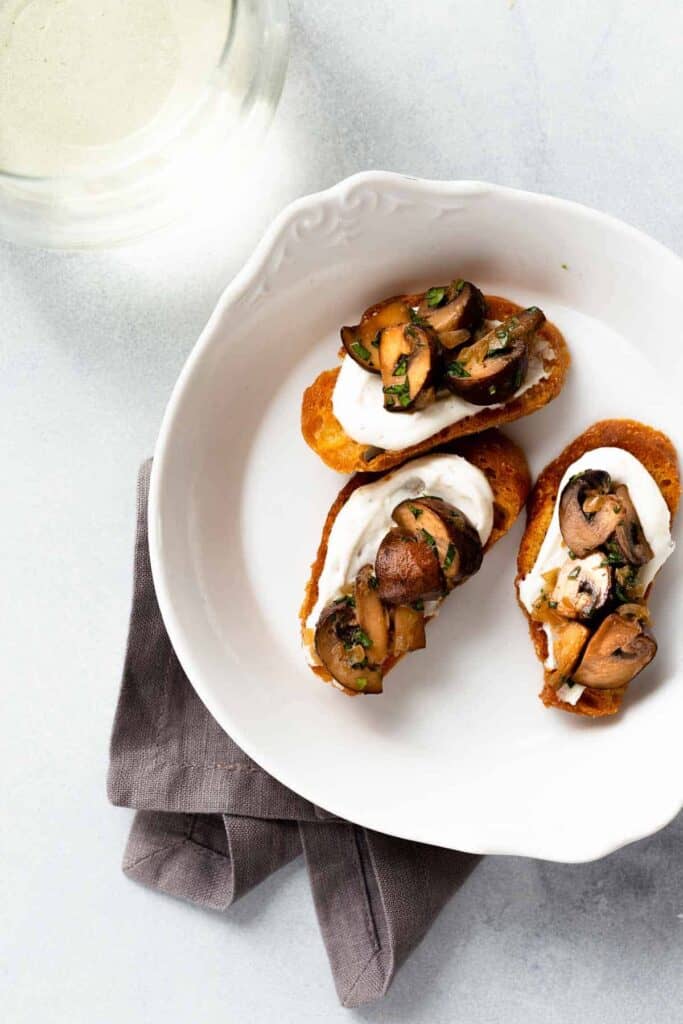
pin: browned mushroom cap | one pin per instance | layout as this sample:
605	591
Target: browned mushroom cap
362	341
589	512
637	611
452	307
493	368
629	535
447	530
569	640
617	652
372	616
409	630
583	587
408	357
407	569
342	647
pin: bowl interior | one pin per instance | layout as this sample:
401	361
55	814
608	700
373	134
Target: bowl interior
458	751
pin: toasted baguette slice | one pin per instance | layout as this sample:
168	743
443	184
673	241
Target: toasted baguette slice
325	435
505	467
658	455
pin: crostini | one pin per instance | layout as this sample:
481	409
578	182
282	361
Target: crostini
421	370
394	545
598	531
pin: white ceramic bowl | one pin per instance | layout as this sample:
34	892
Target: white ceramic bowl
458	751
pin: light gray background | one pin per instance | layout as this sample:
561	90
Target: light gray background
578	99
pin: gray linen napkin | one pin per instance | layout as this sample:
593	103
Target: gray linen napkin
211	824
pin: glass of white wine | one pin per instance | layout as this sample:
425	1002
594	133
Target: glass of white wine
114	114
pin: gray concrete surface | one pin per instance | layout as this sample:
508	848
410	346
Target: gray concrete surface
581	100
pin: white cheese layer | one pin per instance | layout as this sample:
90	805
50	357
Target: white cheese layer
653	513
358	404
364	520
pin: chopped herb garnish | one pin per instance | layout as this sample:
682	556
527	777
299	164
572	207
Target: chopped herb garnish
571	553
518	377
418	605
373	582
428	537
418	320
450	555
360	350
458	286
359	636
360	664
435	297
614	554
401	368
493	353
346	599
375	340
361	682
501	333
574	574
456	369
417	512
355	637
402	392
533	309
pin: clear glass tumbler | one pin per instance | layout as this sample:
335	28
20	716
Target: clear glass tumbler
159	175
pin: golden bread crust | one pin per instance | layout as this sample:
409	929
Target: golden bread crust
658	455
325	435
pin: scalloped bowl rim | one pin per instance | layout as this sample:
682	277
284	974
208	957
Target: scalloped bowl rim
240	284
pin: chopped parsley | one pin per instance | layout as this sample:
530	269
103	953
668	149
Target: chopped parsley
428	537
375	340
458	286
402	392
613	554
435	296
361	682
417	512
360	350
401	368
518	377
418	320
493	353
456	369
358	637
346	599
574	574
450	555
